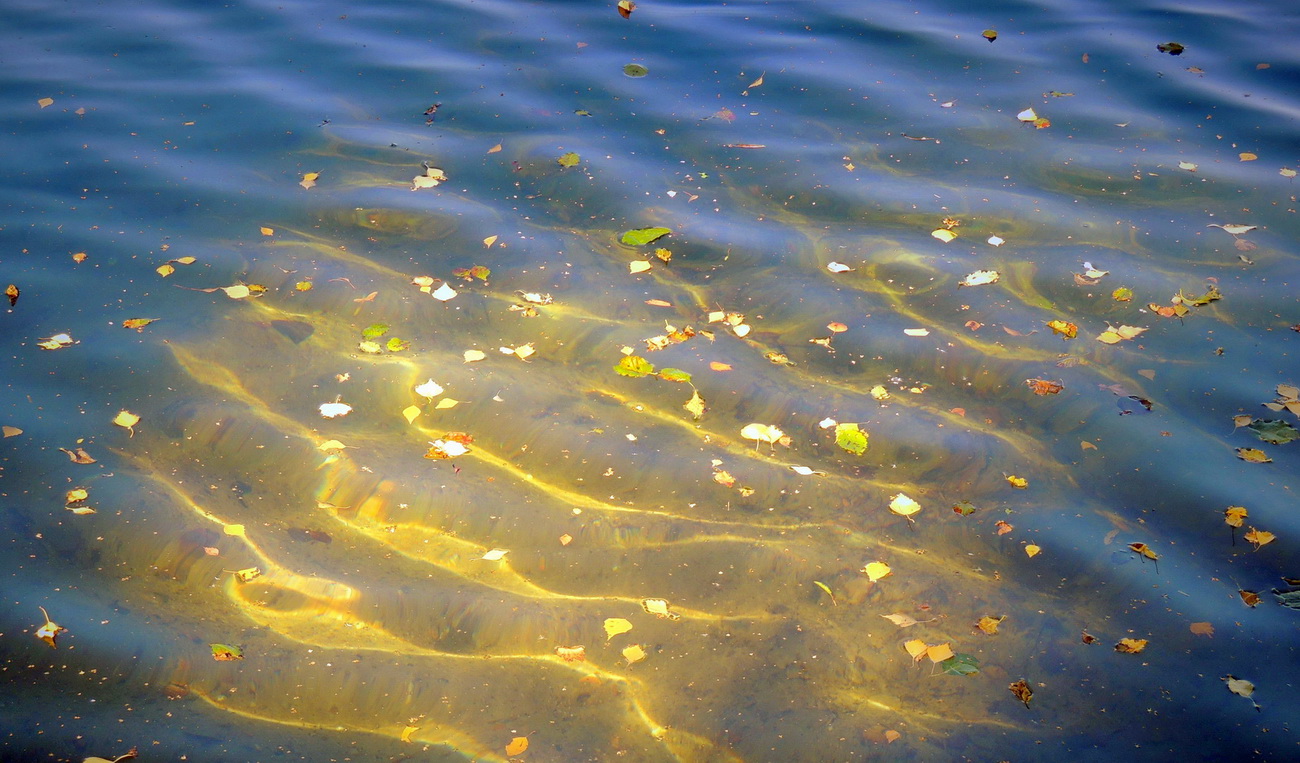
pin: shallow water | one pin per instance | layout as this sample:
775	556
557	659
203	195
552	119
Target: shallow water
773	139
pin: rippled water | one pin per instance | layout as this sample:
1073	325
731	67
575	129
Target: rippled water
773	139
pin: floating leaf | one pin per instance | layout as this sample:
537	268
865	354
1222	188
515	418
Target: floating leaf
78	456
1022	691
236	531
571	653
836	267
1172	48
495	555
1031	550
1247	156
902	621
635	70
226	653
375	330
1259	538
1131	645
1122	294
876	570
570	159
56	342
642	236
309	180
473	356
1064	328
1113	335
634	366
979	278
1253	455
989	34
1202	629
695	406
137	323
851	438
761	433
964	508
444	292
11	291
1142	549
1274	432
615	626
1028	115
674	375
625	8
335	409
904	506
990	624
961	665
943	234
1233	229
1044	387
996	241
49	631
396	345
1233	515
411	413
1249	598
127	421
1020	483
917	332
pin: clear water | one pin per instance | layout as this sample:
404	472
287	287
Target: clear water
181	130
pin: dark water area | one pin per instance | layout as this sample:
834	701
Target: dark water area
502	539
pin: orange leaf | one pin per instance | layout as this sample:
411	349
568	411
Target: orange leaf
517	746
716	366
658	303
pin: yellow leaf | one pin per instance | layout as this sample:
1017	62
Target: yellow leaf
1233	515
267	231
943	234
56	342
990	624
12	431
165	270
876	570
615	626
1131	645
494	149
235	530
80	509
472	356
1019	483
329	445
916	647
1031	550
695	406
489	241
879	392
76	495
517	746
939	652
1253	455
634	654
904	506
638	266
126	420
1143	549
1287	172
1259	538
45	102
446	402
309	179
571	653
303	286
407	732
1246	156
410	412
495	555
247	574
185	260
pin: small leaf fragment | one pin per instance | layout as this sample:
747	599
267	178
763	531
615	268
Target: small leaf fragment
616	625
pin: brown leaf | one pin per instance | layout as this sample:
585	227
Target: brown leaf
1250	598
1022	691
1202	629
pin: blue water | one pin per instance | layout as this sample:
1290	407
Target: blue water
773	139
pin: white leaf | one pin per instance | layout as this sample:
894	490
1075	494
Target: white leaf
917	332
805	471
1027	115
979	278
332	410
495	554
444	292
996	241
429	389
838	267
827	423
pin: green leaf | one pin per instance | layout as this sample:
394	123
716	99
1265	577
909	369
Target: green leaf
1204	299
851	438
674	375
1122	294
397	345
634	366
570	159
964	508
635	70
1274	432
375	330
642	236
961	665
